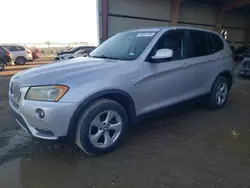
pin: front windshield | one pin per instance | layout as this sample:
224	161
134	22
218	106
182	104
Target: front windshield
72	49
124	46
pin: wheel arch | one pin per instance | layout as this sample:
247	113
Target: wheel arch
21	57
122	97
228	75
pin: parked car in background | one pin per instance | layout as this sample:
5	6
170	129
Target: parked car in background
244	66
134	73
75	49
5	58
241	52
80	53
35	55
20	54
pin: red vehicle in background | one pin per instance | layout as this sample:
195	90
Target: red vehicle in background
35	54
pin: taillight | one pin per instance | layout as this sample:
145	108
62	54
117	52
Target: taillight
233	57
27	52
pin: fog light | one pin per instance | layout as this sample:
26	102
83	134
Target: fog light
40	113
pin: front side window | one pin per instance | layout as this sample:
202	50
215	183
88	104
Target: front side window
174	40
124	46
199	43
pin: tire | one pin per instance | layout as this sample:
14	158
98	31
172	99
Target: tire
94	141
2	65
217	92
20	61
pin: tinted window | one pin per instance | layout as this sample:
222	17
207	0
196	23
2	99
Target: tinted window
10	48
19	48
15	48
2	49
124	46
219	45
199	43
211	45
174	40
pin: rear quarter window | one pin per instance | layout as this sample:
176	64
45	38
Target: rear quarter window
218	43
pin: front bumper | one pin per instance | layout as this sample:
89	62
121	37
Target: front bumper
52	126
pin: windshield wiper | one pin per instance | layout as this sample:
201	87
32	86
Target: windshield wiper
105	57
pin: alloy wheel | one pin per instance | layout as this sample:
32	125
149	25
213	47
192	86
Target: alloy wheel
221	93
105	129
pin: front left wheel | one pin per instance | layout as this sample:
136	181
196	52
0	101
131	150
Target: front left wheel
101	127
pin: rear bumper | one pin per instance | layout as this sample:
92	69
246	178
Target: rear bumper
244	71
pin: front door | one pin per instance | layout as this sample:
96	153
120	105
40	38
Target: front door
167	81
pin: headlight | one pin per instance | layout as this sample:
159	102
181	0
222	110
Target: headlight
46	93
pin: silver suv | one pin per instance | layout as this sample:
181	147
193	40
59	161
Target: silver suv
20	54
94	99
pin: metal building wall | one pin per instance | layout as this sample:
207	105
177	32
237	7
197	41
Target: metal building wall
130	14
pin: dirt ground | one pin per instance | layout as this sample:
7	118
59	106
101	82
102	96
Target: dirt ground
185	147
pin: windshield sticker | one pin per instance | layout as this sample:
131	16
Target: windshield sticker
145	34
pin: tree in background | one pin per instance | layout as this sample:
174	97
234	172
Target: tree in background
48	43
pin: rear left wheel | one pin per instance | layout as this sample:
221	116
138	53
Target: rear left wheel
219	93
20	61
101	127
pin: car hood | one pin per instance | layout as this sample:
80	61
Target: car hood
62	72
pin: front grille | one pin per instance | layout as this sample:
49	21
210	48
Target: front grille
15	91
13	102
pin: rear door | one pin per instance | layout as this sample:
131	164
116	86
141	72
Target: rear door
204	57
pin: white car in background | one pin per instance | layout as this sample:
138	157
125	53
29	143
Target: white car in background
20	54
79	53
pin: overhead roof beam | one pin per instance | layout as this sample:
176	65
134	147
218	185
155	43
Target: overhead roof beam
234	4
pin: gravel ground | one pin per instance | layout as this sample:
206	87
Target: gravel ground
184	147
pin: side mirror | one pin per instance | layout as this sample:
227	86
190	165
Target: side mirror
163	54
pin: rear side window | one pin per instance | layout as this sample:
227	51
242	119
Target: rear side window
218	43
20	48
199	43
